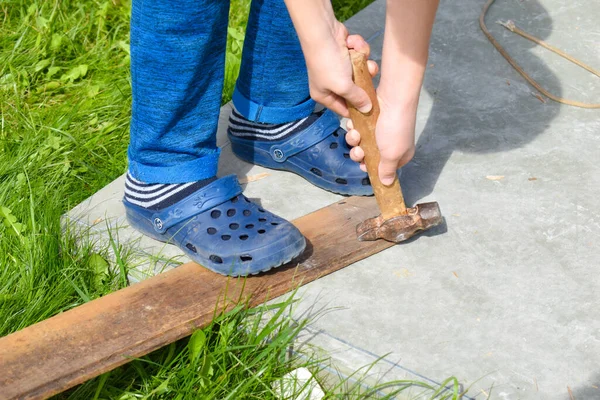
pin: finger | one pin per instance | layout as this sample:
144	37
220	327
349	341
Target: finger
358	98
406	157
373	68
363	167
349	125
353	137
330	100
338	106
359	44
387	170
357	154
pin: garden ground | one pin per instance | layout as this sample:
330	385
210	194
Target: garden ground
505	297
65	106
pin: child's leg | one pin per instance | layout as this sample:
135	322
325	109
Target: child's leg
273	123
177	64
171	193
273	82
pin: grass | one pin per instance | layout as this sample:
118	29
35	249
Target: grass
64	103
64	112
242	354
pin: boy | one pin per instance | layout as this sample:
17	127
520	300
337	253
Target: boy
177	64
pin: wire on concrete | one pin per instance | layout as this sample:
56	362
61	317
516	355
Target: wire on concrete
511	26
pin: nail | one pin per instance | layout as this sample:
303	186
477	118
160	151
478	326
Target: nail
365	109
387	181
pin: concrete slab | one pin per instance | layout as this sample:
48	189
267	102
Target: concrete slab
507	299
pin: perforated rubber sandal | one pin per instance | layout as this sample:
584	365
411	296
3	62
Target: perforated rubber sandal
222	230
319	154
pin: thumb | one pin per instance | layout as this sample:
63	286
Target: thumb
387	170
358	98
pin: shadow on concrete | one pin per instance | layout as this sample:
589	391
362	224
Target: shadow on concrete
589	392
480	104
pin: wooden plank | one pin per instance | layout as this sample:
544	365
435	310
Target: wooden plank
72	347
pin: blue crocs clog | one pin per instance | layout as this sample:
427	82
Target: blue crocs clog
319	153
222	230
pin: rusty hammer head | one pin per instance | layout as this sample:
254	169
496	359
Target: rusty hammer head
400	228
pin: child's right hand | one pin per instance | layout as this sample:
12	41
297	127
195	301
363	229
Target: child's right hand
404	58
395	136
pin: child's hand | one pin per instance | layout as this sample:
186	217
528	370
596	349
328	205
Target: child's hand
325	43
408	26
395	135
330	71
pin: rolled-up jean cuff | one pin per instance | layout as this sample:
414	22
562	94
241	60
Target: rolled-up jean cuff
201	168
269	114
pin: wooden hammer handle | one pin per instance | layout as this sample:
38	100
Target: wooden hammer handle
389	198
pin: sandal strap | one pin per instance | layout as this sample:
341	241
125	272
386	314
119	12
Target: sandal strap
323	127
204	199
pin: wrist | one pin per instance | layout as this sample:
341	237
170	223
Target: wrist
313	20
404	98
322	38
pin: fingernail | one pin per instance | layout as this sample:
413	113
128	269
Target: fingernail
365	109
387	181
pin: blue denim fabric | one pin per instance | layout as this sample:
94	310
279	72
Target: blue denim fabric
273	82
177	68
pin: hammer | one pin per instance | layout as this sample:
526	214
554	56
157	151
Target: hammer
396	222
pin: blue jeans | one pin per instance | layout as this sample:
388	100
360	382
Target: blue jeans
177	68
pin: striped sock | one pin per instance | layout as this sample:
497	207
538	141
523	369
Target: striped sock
156	196
241	127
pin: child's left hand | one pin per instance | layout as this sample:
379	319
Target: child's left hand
330	71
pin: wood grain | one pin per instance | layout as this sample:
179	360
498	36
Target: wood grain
72	347
389	198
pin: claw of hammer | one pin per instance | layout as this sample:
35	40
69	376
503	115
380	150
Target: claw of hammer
396	222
